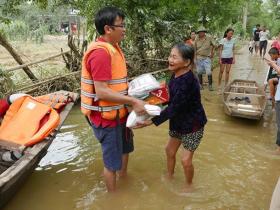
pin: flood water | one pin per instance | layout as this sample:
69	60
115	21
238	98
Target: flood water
234	165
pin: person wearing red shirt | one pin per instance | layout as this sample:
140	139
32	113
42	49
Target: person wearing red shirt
5	103
115	139
4	106
276	43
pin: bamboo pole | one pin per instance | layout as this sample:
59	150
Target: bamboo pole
48	80
35	62
4	42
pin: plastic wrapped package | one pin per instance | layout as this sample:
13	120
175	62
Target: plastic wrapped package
133	119
141	86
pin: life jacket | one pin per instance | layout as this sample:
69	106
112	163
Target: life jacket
56	100
118	83
23	125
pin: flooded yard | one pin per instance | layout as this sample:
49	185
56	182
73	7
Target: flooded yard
234	165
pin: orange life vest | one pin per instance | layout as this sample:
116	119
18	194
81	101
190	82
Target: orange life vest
118	83
21	124
56	100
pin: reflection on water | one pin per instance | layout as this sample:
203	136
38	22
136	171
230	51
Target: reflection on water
234	167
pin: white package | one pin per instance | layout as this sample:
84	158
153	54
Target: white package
133	119
142	85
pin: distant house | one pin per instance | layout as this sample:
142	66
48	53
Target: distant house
71	22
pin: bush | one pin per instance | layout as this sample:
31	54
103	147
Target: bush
38	34
7	86
16	30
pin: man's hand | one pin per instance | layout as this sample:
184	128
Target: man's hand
138	107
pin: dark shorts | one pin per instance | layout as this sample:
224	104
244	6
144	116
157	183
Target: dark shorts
190	141
263	44
114	143
227	60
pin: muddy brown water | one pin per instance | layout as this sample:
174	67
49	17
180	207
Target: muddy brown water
234	165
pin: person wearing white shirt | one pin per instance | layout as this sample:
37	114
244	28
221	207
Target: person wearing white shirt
263	41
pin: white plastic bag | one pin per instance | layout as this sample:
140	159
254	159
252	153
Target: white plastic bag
133	119
141	86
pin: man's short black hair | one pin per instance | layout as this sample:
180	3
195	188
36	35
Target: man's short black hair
107	16
258	25
192	31
273	51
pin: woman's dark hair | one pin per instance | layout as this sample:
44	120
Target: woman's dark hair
186	51
273	51
107	16
228	30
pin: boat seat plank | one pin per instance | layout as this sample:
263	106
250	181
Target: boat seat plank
244	86
245	94
256	108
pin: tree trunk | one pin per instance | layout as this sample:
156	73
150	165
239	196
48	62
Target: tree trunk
4	42
245	14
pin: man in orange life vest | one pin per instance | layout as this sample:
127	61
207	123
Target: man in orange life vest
104	94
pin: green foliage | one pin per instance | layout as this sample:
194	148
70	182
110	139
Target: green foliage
15	30
238	30
38	34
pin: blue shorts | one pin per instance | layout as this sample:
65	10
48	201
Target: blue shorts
203	65
114	143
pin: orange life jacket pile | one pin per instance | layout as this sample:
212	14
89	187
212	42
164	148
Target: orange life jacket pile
29	120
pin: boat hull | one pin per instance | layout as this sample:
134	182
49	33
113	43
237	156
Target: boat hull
244	99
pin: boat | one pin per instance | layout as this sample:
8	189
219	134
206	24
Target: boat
13	174
245	99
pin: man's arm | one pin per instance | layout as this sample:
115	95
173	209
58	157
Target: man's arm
103	92
273	65
212	48
4	106
99	63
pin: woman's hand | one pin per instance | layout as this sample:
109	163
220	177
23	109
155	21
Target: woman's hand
143	124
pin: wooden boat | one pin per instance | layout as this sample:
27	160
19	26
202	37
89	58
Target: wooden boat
13	174
245	99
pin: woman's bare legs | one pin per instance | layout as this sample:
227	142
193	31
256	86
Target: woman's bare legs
171	150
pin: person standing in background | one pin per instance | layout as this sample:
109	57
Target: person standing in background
204	53
263	41
226	55
276	43
257	38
